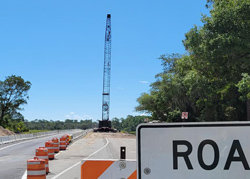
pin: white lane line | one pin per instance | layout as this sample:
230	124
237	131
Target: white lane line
66	170
24	175
80	161
13	145
99	149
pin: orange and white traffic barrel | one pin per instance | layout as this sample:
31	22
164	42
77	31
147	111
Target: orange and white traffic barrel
42	153
63	143
67	138
50	146
56	144
36	169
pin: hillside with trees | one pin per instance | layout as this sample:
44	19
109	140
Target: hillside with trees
211	80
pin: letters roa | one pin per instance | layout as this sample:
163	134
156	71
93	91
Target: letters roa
236	146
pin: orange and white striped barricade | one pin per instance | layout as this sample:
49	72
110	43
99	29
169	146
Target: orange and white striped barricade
42	153
36	169
111	169
67	139
50	146
63	143
56	144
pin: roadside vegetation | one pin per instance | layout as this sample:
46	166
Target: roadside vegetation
211	81
129	123
34	131
13	94
42	124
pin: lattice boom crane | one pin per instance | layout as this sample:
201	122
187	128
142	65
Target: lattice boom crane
106	71
105	123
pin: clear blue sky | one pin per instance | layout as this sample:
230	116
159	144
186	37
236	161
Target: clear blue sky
58	45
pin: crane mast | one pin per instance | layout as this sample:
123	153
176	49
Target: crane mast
106	71
105	123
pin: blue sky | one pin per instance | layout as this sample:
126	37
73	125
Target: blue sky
59	47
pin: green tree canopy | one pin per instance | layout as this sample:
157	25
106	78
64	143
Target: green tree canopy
207	81
13	94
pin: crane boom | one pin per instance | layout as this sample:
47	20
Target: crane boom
106	71
105	123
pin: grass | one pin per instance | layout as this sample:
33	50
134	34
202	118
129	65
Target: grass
35	131
133	132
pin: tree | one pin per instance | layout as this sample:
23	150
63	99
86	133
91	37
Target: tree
116	124
207	81
244	89
13	94
131	122
169	94
221	51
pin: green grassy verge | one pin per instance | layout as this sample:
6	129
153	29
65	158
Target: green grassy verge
35	131
132	132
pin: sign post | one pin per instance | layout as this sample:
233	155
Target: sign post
193	150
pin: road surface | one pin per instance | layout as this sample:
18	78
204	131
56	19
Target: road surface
93	146
66	165
14	156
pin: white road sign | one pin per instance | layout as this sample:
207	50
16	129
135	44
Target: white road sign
194	150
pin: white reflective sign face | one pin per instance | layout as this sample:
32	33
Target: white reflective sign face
194	151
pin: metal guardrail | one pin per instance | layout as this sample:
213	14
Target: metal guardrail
20	137
81	134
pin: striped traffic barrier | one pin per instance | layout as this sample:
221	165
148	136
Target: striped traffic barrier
67	138
42	153
50	146
111	169
56	144
63	143
36	169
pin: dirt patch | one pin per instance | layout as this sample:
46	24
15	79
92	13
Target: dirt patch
110	135
5	132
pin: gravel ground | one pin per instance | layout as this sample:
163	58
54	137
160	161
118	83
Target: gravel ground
110	135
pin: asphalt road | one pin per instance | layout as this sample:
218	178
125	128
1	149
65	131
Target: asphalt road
93	146
14	156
